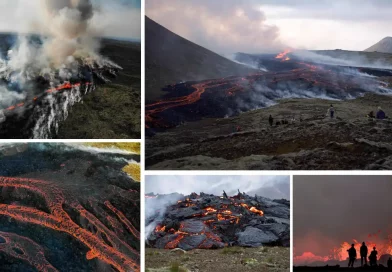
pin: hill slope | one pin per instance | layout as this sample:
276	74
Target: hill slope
383	46
171	58
113	110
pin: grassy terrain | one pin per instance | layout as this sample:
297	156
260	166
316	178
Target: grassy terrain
349	141
113	111
221	260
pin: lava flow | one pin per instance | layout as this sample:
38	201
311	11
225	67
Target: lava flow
103	242
217	98
339	253
65	86
283	56
206	221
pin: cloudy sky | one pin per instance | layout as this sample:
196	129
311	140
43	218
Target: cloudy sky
114	18
330	210
268	25
274	187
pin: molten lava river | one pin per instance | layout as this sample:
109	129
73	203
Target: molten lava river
68	208
287	77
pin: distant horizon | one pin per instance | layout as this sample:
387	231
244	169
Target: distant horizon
275	51
269	26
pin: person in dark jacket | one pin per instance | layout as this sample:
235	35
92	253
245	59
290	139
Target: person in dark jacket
380	114
271	120
373	257
352	255
331	111
364	252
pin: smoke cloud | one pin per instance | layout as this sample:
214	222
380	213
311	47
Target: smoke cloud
223	28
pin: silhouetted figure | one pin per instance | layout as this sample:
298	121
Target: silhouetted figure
331	111
389	263
352	255
380	114
364	252
224	194
373	257
277	123
271	120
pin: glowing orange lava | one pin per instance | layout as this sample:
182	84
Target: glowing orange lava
119	254
64	86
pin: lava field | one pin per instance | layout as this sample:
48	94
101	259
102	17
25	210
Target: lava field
64	208
286	78
209	222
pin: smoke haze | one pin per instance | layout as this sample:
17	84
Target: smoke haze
330	210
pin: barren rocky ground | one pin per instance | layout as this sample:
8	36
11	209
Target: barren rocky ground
312	141
222	260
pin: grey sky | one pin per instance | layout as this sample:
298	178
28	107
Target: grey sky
330	210
274	187
269	25
115	18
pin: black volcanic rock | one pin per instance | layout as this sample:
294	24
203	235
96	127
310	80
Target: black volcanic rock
208	221
253	237
171	58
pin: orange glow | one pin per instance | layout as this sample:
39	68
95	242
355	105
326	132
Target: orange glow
254	210
64	86
283	55
118	255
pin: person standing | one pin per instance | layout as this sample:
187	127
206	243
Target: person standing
352	255
363	251
331	111
271	120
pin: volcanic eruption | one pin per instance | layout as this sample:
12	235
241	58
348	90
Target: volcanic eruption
43	75
208	222
287	77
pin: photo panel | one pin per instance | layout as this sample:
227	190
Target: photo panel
70	207
217	223
342	223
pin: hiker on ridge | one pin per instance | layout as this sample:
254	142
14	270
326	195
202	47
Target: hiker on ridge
352	255
363	252
331	111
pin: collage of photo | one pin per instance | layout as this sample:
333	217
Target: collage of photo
195	135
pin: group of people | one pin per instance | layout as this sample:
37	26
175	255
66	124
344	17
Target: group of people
380	114
352	256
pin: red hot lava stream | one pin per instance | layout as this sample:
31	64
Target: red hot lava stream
118	255
64	86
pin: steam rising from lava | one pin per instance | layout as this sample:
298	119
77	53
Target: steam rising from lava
38	67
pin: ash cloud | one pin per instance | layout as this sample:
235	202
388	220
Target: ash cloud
330	210
224	28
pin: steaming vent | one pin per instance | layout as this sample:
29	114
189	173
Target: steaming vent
208	221
36	101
